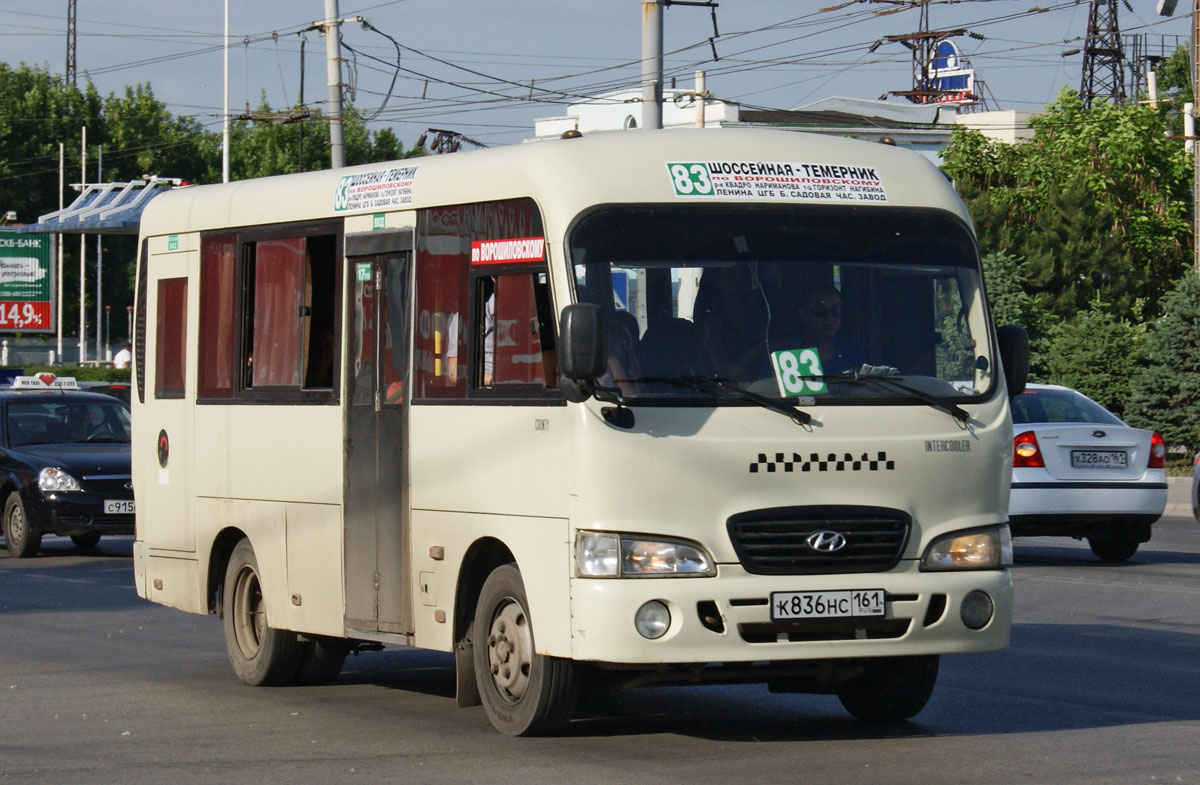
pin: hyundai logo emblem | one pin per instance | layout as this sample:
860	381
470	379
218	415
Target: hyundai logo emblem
1099	434
826	541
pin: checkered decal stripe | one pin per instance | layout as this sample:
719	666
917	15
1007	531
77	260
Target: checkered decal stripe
818	463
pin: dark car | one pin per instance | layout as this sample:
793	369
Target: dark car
64	467
118	390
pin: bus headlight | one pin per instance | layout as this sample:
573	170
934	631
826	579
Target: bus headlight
52	479
978	549
610	555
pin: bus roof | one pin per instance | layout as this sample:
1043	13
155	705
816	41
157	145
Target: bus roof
565	177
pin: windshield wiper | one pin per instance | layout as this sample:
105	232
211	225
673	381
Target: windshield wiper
885	381
724	386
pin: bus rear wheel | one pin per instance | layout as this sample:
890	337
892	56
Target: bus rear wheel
890	689
321	659
260	654
523	693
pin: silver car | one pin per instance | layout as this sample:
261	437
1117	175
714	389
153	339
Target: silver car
1078	471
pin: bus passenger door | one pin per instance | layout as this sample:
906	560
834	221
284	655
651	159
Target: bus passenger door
376	476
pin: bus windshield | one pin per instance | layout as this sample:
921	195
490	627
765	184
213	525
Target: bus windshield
823	303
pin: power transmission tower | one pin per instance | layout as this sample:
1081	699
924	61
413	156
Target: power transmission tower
71	42
1103	55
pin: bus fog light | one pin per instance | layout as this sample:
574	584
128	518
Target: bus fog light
977	610
652	620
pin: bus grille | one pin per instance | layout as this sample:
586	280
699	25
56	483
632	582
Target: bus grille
775	541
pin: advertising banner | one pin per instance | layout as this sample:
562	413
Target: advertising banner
26	283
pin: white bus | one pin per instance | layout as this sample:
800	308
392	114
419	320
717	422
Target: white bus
639	408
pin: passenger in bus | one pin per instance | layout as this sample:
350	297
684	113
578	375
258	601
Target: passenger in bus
320	359
731	315
622	333
820	326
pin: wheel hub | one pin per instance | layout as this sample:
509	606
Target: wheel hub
510	651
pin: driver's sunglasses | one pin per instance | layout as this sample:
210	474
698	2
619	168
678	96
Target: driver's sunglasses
823	313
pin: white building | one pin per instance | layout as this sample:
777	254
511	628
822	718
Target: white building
925	128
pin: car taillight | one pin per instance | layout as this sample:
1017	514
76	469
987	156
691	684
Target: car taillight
1026	453
1158	451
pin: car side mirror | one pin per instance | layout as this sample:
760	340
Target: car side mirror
1014	356
582	349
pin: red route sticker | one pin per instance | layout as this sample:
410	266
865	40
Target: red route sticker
515	251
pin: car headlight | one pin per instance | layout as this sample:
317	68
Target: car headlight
610	555
978	549
54	479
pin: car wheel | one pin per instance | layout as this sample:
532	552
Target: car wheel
88	540
19	537
890	689
259	653
523	693
1113	549
322	659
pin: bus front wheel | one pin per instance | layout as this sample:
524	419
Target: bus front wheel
260	654
890	689
523	693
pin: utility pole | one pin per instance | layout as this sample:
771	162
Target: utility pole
652	64
333	70
83	254
70	74
225	109
1103	56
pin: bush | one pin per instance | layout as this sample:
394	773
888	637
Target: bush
1166	393
82	373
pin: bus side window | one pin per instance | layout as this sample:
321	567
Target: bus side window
170	347
268	317
510	331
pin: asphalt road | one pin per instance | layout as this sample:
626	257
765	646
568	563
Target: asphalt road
1101	685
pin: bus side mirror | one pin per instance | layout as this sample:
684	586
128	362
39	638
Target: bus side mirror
582	350
1014	355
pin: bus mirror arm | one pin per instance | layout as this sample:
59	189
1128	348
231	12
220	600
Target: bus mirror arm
1014	356
582	350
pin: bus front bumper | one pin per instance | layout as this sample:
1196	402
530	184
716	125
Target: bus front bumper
727	618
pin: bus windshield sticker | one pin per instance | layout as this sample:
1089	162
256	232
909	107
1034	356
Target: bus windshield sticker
798	372
375	190
780	181
515	251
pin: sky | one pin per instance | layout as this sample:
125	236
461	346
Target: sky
487	69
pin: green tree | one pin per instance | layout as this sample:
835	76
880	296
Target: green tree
1175	86
1098	354
37	112
264	149
1166	393
1099	200
1011	303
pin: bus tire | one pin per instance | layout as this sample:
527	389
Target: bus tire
321	659
890	689
19	537
523	693
260	654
